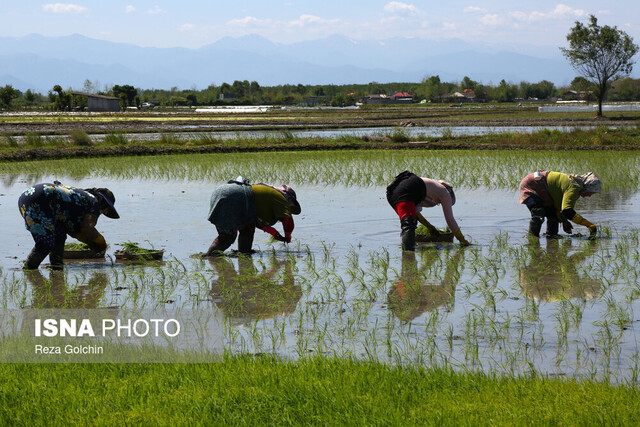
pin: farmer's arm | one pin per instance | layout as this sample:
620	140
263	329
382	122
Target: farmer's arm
89	235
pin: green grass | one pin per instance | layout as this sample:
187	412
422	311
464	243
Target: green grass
319	391
80	137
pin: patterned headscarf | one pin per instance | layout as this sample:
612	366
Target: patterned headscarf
588	182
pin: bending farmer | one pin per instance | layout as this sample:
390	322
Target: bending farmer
237	208
553	195
51	211
408	193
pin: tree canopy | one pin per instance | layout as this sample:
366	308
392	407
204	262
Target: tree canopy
600	54
7	94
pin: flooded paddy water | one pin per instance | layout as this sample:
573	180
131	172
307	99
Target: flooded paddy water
195	132
567	307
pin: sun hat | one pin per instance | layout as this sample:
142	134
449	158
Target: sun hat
107	201
292	198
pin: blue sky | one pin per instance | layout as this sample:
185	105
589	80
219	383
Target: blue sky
194	23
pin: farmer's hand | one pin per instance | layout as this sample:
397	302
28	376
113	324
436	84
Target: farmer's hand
461	239
279	238
593	230
566	226
287	237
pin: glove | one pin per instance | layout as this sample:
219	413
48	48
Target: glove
593	230
287	237
566	226
461	239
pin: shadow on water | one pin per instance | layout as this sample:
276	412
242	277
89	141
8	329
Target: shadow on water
249	293
552	273
417	291
56	292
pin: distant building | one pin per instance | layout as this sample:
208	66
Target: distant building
100	102
401	98
375	99
394	98
227	96
466	96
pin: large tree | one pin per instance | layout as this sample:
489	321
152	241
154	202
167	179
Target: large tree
126	93
600	54
7	94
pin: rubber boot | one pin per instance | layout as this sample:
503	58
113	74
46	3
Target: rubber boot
56	257
408	233
220	244
245	239
36	256
537	218
552	227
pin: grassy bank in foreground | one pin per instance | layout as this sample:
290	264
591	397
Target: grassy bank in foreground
318	391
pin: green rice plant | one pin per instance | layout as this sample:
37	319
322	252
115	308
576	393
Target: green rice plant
34	139
400	135
116	138
169	139
466	169
207	139
80	137
286	136
447	133
11	141
56	141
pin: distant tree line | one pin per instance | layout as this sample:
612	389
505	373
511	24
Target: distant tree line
431	90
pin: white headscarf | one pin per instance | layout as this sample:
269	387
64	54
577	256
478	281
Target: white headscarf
588	182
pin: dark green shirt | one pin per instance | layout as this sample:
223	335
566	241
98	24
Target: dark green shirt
563	192
271	205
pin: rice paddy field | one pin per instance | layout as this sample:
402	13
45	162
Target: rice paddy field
505	305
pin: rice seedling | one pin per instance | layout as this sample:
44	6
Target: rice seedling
11	141
467	169
80	137
115	138
34	139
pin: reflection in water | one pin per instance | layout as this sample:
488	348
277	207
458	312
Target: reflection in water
249	294
552	274
415	292
54	293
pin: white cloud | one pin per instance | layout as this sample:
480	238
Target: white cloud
63	8
401	8
310	20
561	11
247	21
491	19
156	11
474	9
187	27
129	9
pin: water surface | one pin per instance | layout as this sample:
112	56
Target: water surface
344	287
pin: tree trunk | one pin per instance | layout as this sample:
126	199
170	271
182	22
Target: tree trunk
599	108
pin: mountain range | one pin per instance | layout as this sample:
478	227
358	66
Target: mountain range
38	63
